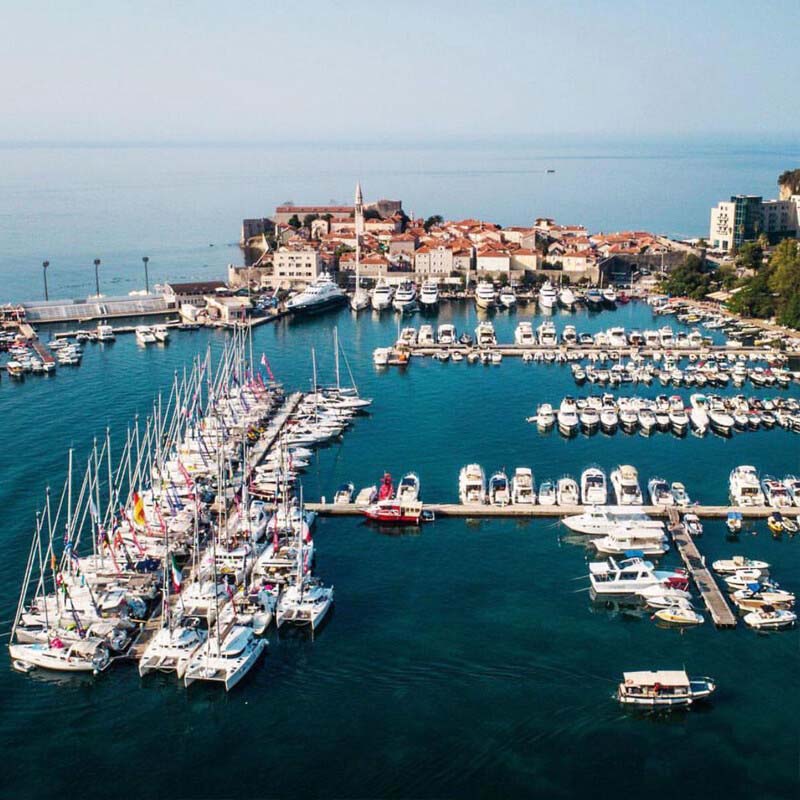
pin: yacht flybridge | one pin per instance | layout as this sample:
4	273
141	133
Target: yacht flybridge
382	295
548	297
429	294
405	298
484	295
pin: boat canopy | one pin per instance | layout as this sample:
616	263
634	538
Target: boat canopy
662	677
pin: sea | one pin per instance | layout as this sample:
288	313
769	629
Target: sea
462	659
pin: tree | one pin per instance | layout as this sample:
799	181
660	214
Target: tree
308	219
689	279
435	219
784	280
754	299
726	275
750	256
294	222
372	213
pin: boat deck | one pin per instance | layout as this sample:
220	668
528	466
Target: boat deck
706	584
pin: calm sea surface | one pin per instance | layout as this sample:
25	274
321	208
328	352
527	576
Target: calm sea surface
70	205
464	660
461	661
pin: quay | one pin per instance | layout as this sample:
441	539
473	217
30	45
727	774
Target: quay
585	351
705	582
537	511
117	330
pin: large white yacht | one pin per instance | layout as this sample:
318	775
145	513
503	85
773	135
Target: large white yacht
547	334
548	297
472	485
625	481
429	294
745	487
507	297
646	541
321	294
405	298
602	521
382	295
484	295
625	577
446	334
594	490
524	335
484	334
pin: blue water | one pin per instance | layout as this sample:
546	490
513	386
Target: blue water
463	660
70	205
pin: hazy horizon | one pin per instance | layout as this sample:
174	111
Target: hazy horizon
199	73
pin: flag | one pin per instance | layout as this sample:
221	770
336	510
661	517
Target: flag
177	576
265	364
138	511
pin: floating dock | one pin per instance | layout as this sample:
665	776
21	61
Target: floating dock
705	582
476	510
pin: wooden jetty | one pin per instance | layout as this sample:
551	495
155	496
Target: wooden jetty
705	582
120	329
537	511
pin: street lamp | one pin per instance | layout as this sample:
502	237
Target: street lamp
146	279
45	265
97	276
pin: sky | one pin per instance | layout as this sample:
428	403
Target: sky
88	71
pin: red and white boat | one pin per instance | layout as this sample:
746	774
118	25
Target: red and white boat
397	512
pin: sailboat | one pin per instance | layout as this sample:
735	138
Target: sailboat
360	299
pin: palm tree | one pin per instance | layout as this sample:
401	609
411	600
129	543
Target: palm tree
45	265
146	279
97	276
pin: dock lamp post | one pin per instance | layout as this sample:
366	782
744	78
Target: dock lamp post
45	265
145	259
97	276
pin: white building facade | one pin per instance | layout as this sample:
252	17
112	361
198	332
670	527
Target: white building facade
291	267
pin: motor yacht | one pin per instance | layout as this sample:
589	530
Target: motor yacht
566	298
484	295
770	618
547	493
568	421
663	688
644	541
145	335
548	296
745	487
507	297
609	420
625	482
610	297
446	334
567	492
626	577
660	493
344	494
569	335
472	485
382	295
484	334
545	417
425	335
105	333
775	493
429	295
547	334
594	489
727	566
523	487
679	494
523	335
594	299
321	294
589	419
698	415
405	298
499	491
408	488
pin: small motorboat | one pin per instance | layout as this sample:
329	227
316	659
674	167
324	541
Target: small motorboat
734	521
770	618
692	524
344	494
731	565
775	522
408	488
742	577
499	492
547	493
679	613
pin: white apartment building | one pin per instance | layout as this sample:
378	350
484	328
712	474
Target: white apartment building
292	267
744	217
433	260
